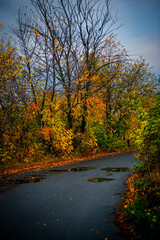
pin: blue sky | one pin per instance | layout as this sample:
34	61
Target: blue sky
140	33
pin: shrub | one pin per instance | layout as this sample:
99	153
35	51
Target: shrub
148	137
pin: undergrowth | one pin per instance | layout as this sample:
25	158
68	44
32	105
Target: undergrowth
139	215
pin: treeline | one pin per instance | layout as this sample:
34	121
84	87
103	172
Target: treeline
69	87
139	215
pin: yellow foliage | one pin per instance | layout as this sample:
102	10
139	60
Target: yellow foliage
9	63
54	132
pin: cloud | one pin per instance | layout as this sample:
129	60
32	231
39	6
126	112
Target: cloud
148	48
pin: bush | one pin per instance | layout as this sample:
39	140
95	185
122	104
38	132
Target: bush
148	139
109	140
21	138
141	206
57	139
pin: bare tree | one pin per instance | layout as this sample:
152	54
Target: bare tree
74	35
33	48
93	22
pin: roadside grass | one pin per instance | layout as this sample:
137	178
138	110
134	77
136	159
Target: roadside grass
139	213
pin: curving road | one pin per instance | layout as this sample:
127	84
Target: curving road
64	205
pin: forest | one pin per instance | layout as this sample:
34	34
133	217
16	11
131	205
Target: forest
69	88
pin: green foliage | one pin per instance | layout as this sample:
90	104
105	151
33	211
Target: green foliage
139	166
108	140
148	136
101	136
141	207
145	222
141	204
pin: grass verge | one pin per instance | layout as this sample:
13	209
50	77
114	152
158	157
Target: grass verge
139	213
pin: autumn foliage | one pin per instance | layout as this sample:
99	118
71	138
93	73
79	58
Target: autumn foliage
69	87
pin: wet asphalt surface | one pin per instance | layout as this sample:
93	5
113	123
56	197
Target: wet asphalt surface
64	205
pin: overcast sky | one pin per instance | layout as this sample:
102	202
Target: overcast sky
140	33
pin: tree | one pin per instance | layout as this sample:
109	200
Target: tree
11	92
28	48
73	33
148	136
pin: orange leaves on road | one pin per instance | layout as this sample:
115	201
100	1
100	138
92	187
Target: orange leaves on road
61	163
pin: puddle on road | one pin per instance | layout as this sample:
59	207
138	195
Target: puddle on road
25	179
100	179
121	169
78	169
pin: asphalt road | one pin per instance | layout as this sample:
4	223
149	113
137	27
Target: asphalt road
64	205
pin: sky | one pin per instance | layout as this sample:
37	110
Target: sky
139	33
